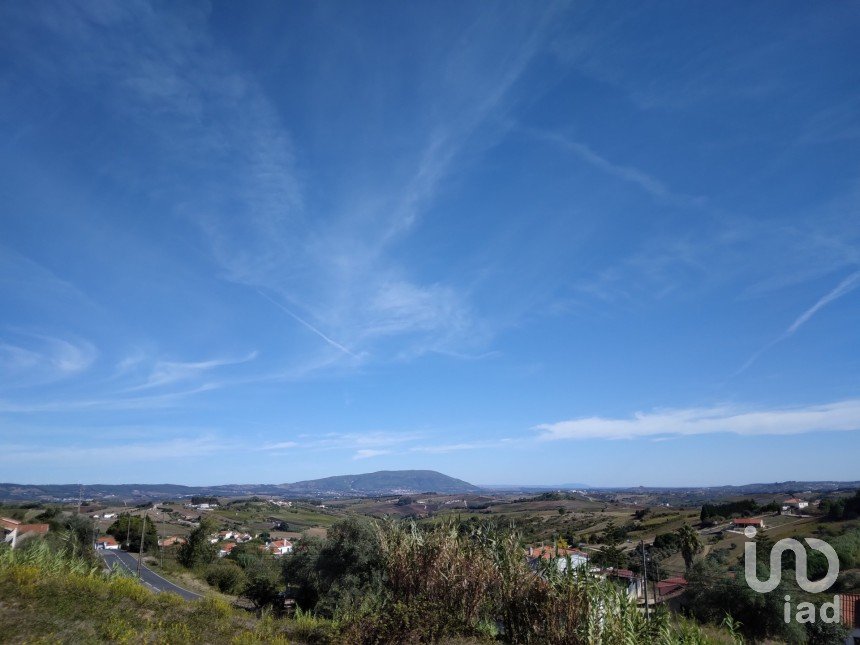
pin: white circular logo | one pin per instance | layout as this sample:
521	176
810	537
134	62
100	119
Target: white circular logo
750	532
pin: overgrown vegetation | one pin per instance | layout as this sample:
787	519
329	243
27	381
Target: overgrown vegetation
744	507
400	582
127	531
842	508
389	582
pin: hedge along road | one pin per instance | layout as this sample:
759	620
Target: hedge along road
116	558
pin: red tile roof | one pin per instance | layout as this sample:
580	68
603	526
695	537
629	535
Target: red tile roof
622	573
747	521
671	585
106	539
850	609
551	552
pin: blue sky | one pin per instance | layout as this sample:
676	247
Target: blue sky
513	242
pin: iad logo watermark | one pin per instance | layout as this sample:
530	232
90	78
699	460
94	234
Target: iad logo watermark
805	610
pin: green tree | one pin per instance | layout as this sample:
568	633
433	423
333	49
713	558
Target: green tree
610	555
336	573
821	633
670	542
300	572
262	587
129	527
689	543
226	576
198	549
713	593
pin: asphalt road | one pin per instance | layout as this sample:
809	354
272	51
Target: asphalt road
148	577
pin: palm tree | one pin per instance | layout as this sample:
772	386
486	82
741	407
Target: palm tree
690	544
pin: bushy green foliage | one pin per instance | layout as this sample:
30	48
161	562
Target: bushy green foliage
128	526
331	575
728	509
226	576
403	583
435	584
714	593
667	541
842	508
204	499
198	550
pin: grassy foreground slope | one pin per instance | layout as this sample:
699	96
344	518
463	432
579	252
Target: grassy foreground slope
436	586
47	597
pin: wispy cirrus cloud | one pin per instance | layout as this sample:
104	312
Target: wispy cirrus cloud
338	274
444	448
836	416
169	372
630	174
179	448
367	453
36	358
846	286
108	403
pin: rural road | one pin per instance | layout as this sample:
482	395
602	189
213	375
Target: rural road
148	577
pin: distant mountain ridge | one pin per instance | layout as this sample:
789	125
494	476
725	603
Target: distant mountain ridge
383	482
390	481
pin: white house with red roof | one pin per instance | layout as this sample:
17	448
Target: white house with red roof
226	549
562	557
107	542
15	531
794	504
280	547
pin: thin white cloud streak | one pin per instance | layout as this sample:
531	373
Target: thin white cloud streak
366	440
846	286
643	180
130	452
169	372
358	294
364	443
45	358
367	453
281	445
118	403
304	322
457	447
836	416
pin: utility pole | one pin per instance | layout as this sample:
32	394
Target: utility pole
128	529
161	541
142	537
645	579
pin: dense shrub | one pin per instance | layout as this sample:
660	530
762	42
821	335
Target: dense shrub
842	508
226	576
443	583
